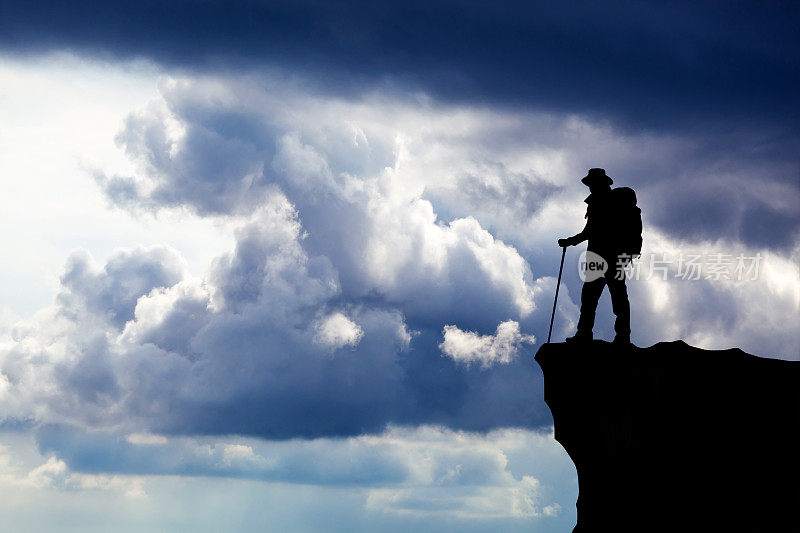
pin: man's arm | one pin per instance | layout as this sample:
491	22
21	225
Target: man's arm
575	239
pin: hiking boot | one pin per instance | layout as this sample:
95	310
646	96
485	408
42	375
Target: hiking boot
622	340
579	338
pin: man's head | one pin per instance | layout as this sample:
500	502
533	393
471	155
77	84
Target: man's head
597	181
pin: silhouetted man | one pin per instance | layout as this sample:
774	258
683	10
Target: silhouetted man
613	229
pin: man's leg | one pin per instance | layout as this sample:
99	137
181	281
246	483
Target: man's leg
621	307
590	295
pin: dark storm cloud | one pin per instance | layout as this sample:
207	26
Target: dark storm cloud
240	143
114	289
764	226
712	214
646	63
340	227
723	188
727	195
721	76
269	343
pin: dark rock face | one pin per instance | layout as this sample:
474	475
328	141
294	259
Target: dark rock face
675	438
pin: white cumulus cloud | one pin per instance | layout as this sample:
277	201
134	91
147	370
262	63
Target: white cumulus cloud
470	347
337	330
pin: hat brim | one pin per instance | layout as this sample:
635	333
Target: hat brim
589	180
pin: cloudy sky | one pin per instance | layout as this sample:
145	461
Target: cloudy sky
285	265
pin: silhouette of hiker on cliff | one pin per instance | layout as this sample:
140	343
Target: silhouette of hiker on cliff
614	231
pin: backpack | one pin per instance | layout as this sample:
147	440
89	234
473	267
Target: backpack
628	223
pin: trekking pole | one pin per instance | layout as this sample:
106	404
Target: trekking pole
558	284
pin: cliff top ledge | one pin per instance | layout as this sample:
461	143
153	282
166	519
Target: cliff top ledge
677	438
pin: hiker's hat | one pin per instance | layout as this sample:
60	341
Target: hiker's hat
596	175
